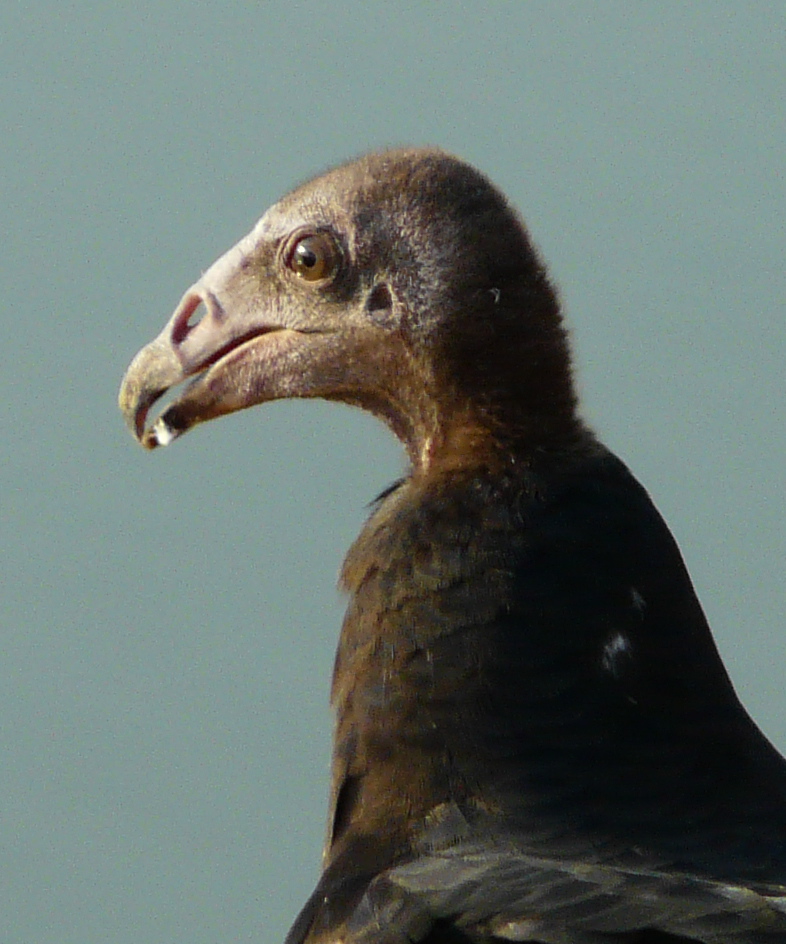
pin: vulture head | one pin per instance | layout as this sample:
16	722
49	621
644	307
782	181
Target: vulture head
402	283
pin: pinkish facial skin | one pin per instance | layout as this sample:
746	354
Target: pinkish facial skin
226	335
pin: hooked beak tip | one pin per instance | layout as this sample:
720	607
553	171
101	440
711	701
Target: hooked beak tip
159	434
153	371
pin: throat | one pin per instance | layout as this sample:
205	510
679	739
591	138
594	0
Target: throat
463	445
469	441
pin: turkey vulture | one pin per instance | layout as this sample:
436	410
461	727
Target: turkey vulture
535	738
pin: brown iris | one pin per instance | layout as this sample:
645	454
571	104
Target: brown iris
314	257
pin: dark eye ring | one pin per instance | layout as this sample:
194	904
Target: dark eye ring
314	257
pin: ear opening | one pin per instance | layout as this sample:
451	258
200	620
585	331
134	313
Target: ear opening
379	304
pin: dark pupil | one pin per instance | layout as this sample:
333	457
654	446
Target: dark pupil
306	257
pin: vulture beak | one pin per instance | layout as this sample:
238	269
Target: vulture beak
241	337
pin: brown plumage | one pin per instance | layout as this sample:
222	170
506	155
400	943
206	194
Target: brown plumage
535	737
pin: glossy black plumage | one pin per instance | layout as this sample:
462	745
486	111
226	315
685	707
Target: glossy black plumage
535	737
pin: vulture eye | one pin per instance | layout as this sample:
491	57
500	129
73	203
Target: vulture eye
314	258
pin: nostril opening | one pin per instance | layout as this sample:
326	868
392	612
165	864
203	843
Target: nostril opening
192	311
196	316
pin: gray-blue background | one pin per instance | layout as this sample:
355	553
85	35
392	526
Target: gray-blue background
168	620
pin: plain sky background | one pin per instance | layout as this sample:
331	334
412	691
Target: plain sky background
169	619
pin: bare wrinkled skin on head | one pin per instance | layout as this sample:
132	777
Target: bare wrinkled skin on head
437	315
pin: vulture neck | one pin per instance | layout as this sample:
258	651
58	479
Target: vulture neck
450	437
